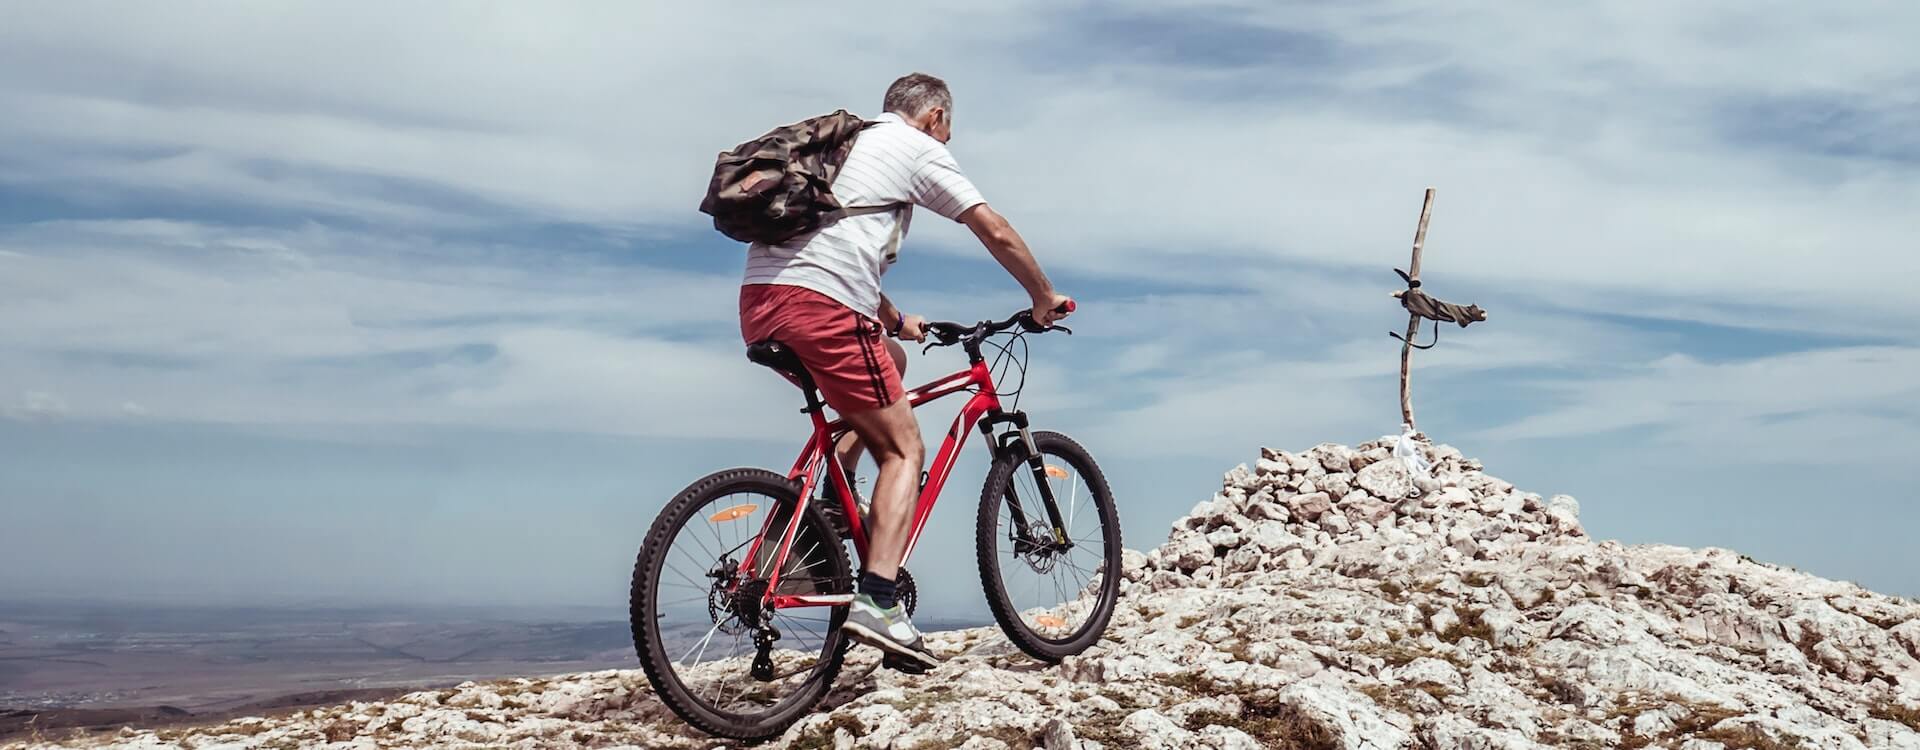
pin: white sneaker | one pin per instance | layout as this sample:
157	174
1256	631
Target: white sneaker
888	630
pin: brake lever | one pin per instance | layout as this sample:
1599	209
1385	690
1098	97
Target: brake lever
940	334
1027	324
934	341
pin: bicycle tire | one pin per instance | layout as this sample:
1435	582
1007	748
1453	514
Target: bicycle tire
999	482
649	642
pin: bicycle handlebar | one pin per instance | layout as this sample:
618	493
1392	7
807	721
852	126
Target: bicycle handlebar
947	334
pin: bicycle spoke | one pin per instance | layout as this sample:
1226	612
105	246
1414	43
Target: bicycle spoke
1038	580
1061	580
802	622
700	645
1067	560
720	687
690	581
712	528
1073	567
805	555
818	634
808	566
1039	500
696	571
710	554
1096	515
1072	495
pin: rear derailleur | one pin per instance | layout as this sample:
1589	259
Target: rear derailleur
763	638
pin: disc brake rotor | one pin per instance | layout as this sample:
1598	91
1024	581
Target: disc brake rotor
719	597
1039	553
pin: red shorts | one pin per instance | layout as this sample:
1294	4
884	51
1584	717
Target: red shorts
843	350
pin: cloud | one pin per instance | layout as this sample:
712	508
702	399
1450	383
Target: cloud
314	291
1268	371
36	406
1599	170
1846	405
314	326
575	381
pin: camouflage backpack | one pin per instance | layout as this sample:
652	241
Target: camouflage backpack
779	186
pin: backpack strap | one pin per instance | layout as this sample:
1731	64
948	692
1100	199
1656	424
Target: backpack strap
864	210
892	248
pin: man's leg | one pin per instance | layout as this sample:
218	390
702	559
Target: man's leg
843	351
876	617
849	446
893	436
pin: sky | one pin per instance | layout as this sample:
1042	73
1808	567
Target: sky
317	303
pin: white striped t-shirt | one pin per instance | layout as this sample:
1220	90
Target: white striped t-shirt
891	162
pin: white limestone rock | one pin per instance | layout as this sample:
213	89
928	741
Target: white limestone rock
1387	480
1368	616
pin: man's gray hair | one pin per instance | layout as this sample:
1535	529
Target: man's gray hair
915	93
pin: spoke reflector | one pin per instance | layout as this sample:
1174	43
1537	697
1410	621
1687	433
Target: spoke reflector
1056	472
734	513
1050	621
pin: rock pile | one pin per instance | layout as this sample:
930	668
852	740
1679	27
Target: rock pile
1323	599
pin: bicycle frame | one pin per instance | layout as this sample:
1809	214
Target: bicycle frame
819	457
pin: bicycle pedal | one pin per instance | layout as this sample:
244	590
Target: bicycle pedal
904	665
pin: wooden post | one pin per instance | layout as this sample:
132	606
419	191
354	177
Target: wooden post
1413	321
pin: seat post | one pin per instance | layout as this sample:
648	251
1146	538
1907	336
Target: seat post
773	354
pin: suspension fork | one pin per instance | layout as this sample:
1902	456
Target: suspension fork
1020	438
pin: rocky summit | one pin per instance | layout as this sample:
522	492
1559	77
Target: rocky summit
1332	598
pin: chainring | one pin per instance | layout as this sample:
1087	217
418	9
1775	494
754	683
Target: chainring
905	592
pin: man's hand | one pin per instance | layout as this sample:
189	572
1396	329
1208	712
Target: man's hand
1051	308
912	328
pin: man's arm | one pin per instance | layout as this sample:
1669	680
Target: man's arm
889	315
901	325
1011	251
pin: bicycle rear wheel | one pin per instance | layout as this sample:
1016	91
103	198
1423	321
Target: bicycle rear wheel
1052	588
715	655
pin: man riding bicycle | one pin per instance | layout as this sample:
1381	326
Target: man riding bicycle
819	294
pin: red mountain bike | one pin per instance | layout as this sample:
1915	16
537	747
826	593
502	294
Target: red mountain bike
741	563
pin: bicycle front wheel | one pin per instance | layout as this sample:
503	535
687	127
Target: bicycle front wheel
1049	560
714	652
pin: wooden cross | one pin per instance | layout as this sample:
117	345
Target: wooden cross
1418	306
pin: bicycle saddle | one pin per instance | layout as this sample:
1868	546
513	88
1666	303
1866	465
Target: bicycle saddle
776	355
